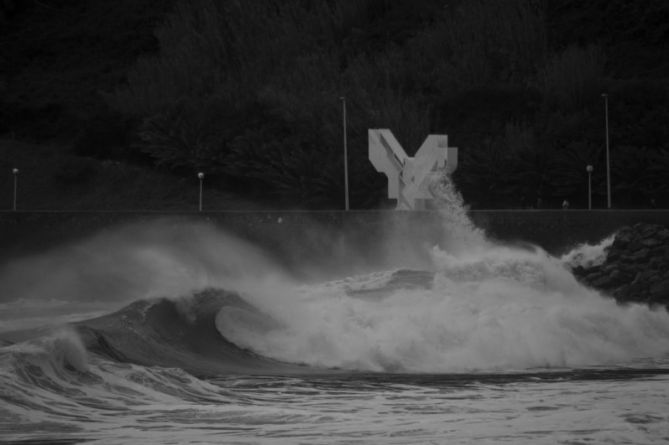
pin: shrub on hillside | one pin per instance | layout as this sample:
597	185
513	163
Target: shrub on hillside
573	74
639	112
482	42
184	137
106	135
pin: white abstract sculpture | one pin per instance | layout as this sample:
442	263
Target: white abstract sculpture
409	178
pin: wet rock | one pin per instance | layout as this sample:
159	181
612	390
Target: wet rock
660	289
578	271
618	277
656	263
600	282
623	238
613	256
636	268
651	242
638	256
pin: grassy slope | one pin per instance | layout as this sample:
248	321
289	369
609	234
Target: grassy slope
52	179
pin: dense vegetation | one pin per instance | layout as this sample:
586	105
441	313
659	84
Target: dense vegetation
249	92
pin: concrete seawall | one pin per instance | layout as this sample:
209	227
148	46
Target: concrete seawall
296	234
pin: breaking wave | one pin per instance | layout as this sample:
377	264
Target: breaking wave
478	306
588	255
503	310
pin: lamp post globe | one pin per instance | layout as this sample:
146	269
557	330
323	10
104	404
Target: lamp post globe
15	171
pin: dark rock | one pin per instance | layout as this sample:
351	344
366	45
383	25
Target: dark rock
612	256
651	242
579	271
636	291
638	256
593	270
660	288
646	230
645	276
636	268
623	238
663	252
634	246
658	250
656	263
600	282
618	277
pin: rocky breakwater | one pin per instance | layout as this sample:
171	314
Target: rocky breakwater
636	266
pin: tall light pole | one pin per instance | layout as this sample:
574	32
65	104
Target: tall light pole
608	158
589	170
343	119
200	176
15	172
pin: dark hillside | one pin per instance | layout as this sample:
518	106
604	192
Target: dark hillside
635	33
58	55
249	92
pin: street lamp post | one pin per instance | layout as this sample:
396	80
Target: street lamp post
589	170
608	159
15	172
343	118
200	176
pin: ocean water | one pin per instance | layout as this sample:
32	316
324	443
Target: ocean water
180	333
